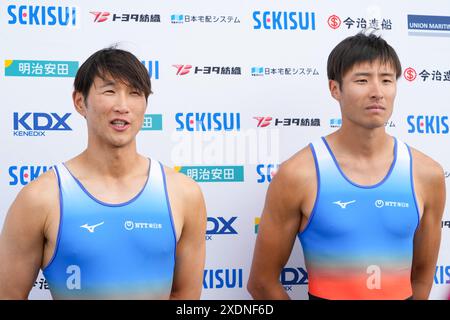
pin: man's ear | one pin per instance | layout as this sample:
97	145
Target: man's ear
79	103
335	89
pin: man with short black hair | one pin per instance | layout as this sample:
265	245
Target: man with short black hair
366	207
109	223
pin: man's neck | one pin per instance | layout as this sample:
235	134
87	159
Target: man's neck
112	162
361	142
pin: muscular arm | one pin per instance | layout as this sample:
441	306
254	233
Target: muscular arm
191	247
279	225
429	179
22	241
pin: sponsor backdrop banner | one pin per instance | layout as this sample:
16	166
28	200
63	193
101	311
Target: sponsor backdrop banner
239	86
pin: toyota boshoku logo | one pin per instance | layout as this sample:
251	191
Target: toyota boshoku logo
100	16
182	69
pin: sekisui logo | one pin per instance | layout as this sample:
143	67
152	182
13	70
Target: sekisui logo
287	122
222	278
153	68
25	174
421	25
42	15
38	123
292	277
131	225
213	173
394	204
104	16
334	21
220	226
40	68
410	74
266	172
206	121
152	122
442	275
283	20
428	124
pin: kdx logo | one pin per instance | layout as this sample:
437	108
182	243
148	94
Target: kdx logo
220	225
41	121
293	276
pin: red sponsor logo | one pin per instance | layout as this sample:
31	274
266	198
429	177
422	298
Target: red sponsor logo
182	69
100	16
263	121
410	74
334	21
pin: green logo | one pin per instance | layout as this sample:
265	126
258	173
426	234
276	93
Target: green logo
257	220
152	122
40	68
213	173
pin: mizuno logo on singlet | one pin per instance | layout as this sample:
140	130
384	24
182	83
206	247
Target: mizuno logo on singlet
343	205
91	229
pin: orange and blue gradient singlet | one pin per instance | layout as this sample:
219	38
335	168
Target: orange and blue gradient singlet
113	251
358	243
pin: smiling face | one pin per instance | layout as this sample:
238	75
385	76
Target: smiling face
366	94
114	111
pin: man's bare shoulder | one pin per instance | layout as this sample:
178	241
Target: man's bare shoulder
184	186
426	169
36	202
41	193
298	170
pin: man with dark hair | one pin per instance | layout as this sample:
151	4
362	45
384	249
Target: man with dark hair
365	206
109	223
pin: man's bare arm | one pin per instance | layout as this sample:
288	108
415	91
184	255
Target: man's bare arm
191	247
279	226
429	176
22	239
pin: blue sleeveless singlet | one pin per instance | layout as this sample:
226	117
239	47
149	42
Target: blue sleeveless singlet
113	251
358	243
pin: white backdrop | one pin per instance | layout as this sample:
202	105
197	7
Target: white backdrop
262	63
